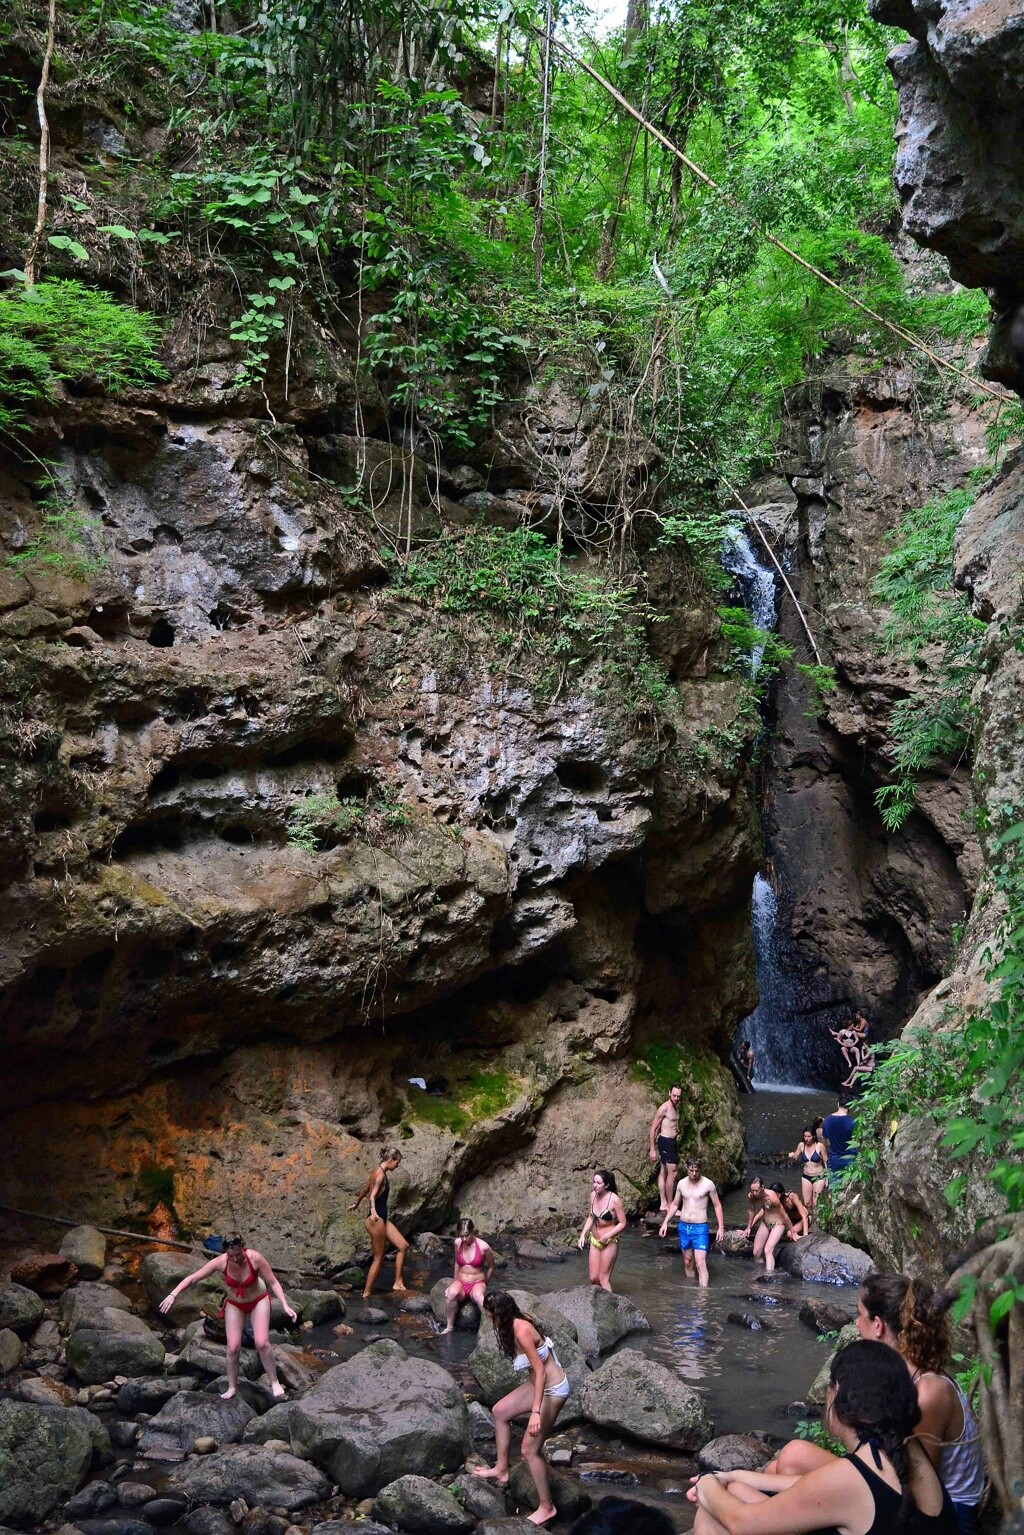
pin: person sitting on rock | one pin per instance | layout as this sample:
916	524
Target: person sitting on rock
775	1224
864	1067
380	1230
523	1342
474	1270
249	1280
604	1225
883	1485
848	1041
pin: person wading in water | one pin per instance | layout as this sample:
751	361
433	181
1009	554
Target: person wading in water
379	1228
691	1201
604	1225
474	1270
663	1147
249	1281
812	1158
523	1342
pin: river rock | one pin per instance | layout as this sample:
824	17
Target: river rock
744	1319
160	1272
47	1274
271	1425
734	1452
11	1350
86	1248
317	1306
191	1415
566	1494
150	1394
380	1416
297	1367
483	1499
347	1527
416	1503
481	1424
734	1244
134	1494
511	1526
601	1319
46	1392
200	1354
269	1478
116	1524
45	1453
823	1316
93	1498
256	1392
431	1245
825	1258
98	1354
636	1396
164	1510
88	1305
537	1252
20	1309
467	1318
816	1394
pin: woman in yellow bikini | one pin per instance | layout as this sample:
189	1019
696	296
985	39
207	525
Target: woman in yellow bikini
604	1225
249	1281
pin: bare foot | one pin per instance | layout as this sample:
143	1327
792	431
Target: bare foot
277	1389
544	1514
226	1396
399	1287
367	1294
445	1331
491	1474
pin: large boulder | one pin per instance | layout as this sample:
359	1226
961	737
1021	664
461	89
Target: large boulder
566	1493
636	1396
275	1423
202	1356
11	1350
380	1416
481	1497
45	1453
467	1318
823	1316
494	1374
160	1272
20	1309
816	1395
46	1273
137	1396
265	1477
97	1354
191	1415
824	1258
317	1306
416	1503
601	1319
92	1305
735	1452
86	1248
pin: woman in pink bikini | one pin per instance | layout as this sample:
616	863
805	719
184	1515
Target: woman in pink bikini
474	1270
249	1280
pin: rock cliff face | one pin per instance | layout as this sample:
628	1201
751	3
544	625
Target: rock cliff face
526	883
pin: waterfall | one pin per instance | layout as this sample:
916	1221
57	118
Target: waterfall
756	583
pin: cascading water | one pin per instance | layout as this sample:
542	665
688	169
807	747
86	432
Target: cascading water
788	1030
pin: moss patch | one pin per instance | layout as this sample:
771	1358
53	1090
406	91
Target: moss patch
478	1096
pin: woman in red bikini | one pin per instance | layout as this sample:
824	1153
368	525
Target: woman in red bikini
474	1270
249	1280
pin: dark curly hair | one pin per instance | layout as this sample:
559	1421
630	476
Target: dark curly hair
911	1309
503	1312
876	1398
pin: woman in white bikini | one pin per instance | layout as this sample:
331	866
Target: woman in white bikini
604	1226
249	1280
522	1341
474	1270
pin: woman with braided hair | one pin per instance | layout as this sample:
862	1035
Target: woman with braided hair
884	1484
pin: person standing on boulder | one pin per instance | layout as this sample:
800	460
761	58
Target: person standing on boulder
379	1228
692	1195
523	1342
663	1143
474	1270
249	1280
604	1225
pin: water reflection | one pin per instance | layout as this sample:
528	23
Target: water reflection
697	1336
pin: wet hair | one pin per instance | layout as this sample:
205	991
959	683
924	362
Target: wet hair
390	1154
503	1311
777	1188
876	1398
746	1044
844	1098
693	1162
809	1130
622	1516
911	1310
607	1178
675	1085
465	1228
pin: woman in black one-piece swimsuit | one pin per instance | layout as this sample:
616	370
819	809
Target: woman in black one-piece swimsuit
379	1228
872	1408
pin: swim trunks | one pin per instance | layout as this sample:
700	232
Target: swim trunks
693	1234
668	1150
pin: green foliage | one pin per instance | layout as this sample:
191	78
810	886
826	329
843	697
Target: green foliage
815	1432
62	330
752	650
822	682
321	821
61	540
475	1097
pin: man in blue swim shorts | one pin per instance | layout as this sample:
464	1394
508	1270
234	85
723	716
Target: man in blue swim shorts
691	1201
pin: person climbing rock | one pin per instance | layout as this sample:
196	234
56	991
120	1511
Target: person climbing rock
775	1225
249	1281
755	1204
663	1143
379	1228
795	1208
692	1195
812	1158
474	1270
604	1225
523	1342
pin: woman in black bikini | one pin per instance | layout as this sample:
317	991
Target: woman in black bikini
604	1225
248	1279
380	1229
523	1342
883	1485
795	1209
812	1158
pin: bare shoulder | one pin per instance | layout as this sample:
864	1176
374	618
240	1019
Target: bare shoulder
708	1187
258	1258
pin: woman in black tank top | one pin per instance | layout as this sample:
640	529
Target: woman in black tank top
379	1227
883	1485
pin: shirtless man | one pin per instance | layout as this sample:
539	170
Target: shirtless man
691	1201
662	1148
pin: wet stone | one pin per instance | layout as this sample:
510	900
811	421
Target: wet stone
94	1498
372	1316
744	1319
134	1494
125	1524
164	1510
566	1494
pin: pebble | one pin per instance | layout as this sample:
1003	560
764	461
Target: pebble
204	1445
134	1494
164	1510
372	1316
238	1509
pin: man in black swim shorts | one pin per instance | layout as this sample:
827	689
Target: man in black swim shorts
663	1148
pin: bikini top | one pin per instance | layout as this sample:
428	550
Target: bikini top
240	1286
472	1263
606	1215
545	1349
815	1155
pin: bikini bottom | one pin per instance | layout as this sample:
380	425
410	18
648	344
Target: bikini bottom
242	1305
559	1392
